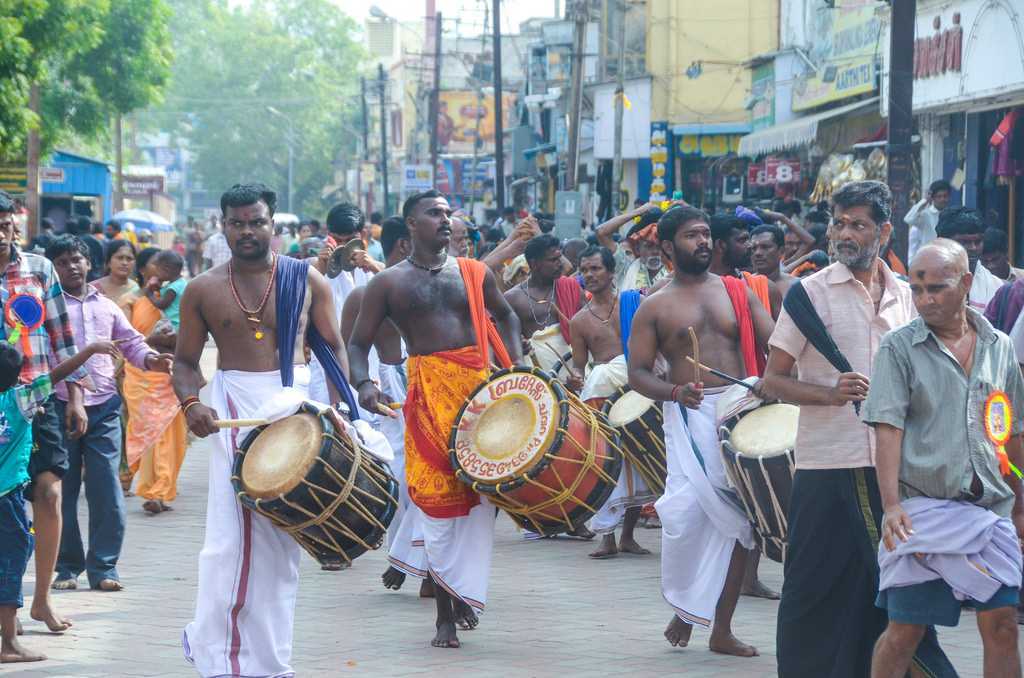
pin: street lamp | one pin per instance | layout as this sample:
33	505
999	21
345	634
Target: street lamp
291	151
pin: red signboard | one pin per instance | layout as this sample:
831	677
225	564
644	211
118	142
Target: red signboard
773	171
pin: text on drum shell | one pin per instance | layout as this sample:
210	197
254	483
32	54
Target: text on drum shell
526	383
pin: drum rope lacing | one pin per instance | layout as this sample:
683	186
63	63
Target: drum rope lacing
740	478
652	475
328	510
558	497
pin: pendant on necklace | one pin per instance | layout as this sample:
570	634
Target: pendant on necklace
257	333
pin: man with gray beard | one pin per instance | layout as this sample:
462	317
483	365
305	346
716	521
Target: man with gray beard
828	623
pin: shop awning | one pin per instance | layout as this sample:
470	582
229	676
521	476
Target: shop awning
799	132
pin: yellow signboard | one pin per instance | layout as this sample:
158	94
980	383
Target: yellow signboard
457	122
709	145
848	38
13	179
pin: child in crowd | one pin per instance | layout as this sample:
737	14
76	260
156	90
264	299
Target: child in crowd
94	317
18	405
166	289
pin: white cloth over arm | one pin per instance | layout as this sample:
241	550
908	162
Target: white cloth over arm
699	528
248	569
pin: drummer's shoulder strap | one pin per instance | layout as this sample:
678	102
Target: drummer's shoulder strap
487	337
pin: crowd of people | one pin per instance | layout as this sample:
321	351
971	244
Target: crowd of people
906	500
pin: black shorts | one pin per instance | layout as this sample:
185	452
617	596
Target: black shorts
48	450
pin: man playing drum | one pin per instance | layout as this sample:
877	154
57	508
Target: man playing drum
439	305
945	403
405	539
704	534
827	622
595	335
248	568
545	302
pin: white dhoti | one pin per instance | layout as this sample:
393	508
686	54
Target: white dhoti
549	347
405	536
458	552
699	528
630	490
248	569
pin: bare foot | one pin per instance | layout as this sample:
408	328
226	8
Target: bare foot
109	585
730	644
44	612
13	652
446	636
165	506
19	630
677	633
465	617
393	578
630	546
582	532
607	548
758	590
427	588
152	506
64	585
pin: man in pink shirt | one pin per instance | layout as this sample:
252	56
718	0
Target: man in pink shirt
94	317
828	622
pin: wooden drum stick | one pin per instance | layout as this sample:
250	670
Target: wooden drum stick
240	423
696	355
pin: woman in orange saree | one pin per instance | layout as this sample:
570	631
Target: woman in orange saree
156	436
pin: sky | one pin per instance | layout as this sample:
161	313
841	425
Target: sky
470	13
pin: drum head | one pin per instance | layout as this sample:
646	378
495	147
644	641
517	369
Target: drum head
281	455
767	431
506	427
629	407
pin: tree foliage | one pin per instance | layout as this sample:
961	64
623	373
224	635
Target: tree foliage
296	57
90	58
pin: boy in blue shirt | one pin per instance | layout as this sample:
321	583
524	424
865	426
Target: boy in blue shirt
18	405
166	289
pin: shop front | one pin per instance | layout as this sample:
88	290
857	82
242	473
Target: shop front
969	105
75	186
709	171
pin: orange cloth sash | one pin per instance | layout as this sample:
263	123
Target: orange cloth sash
759	284
753	359
439	385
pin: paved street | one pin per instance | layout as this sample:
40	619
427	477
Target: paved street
551	612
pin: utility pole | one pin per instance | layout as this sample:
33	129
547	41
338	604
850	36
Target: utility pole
899	174
479	107
620	96
366	122
118	165
435	97
499	132
579	10
382	86
32	169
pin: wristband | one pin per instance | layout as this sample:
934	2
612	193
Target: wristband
185	408
675	390
364	381
189	400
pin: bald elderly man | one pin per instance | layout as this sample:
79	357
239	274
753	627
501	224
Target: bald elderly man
942	392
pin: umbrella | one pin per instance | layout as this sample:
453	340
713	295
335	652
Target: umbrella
143	219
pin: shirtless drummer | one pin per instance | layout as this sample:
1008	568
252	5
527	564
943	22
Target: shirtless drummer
704	536
440	305
248	569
